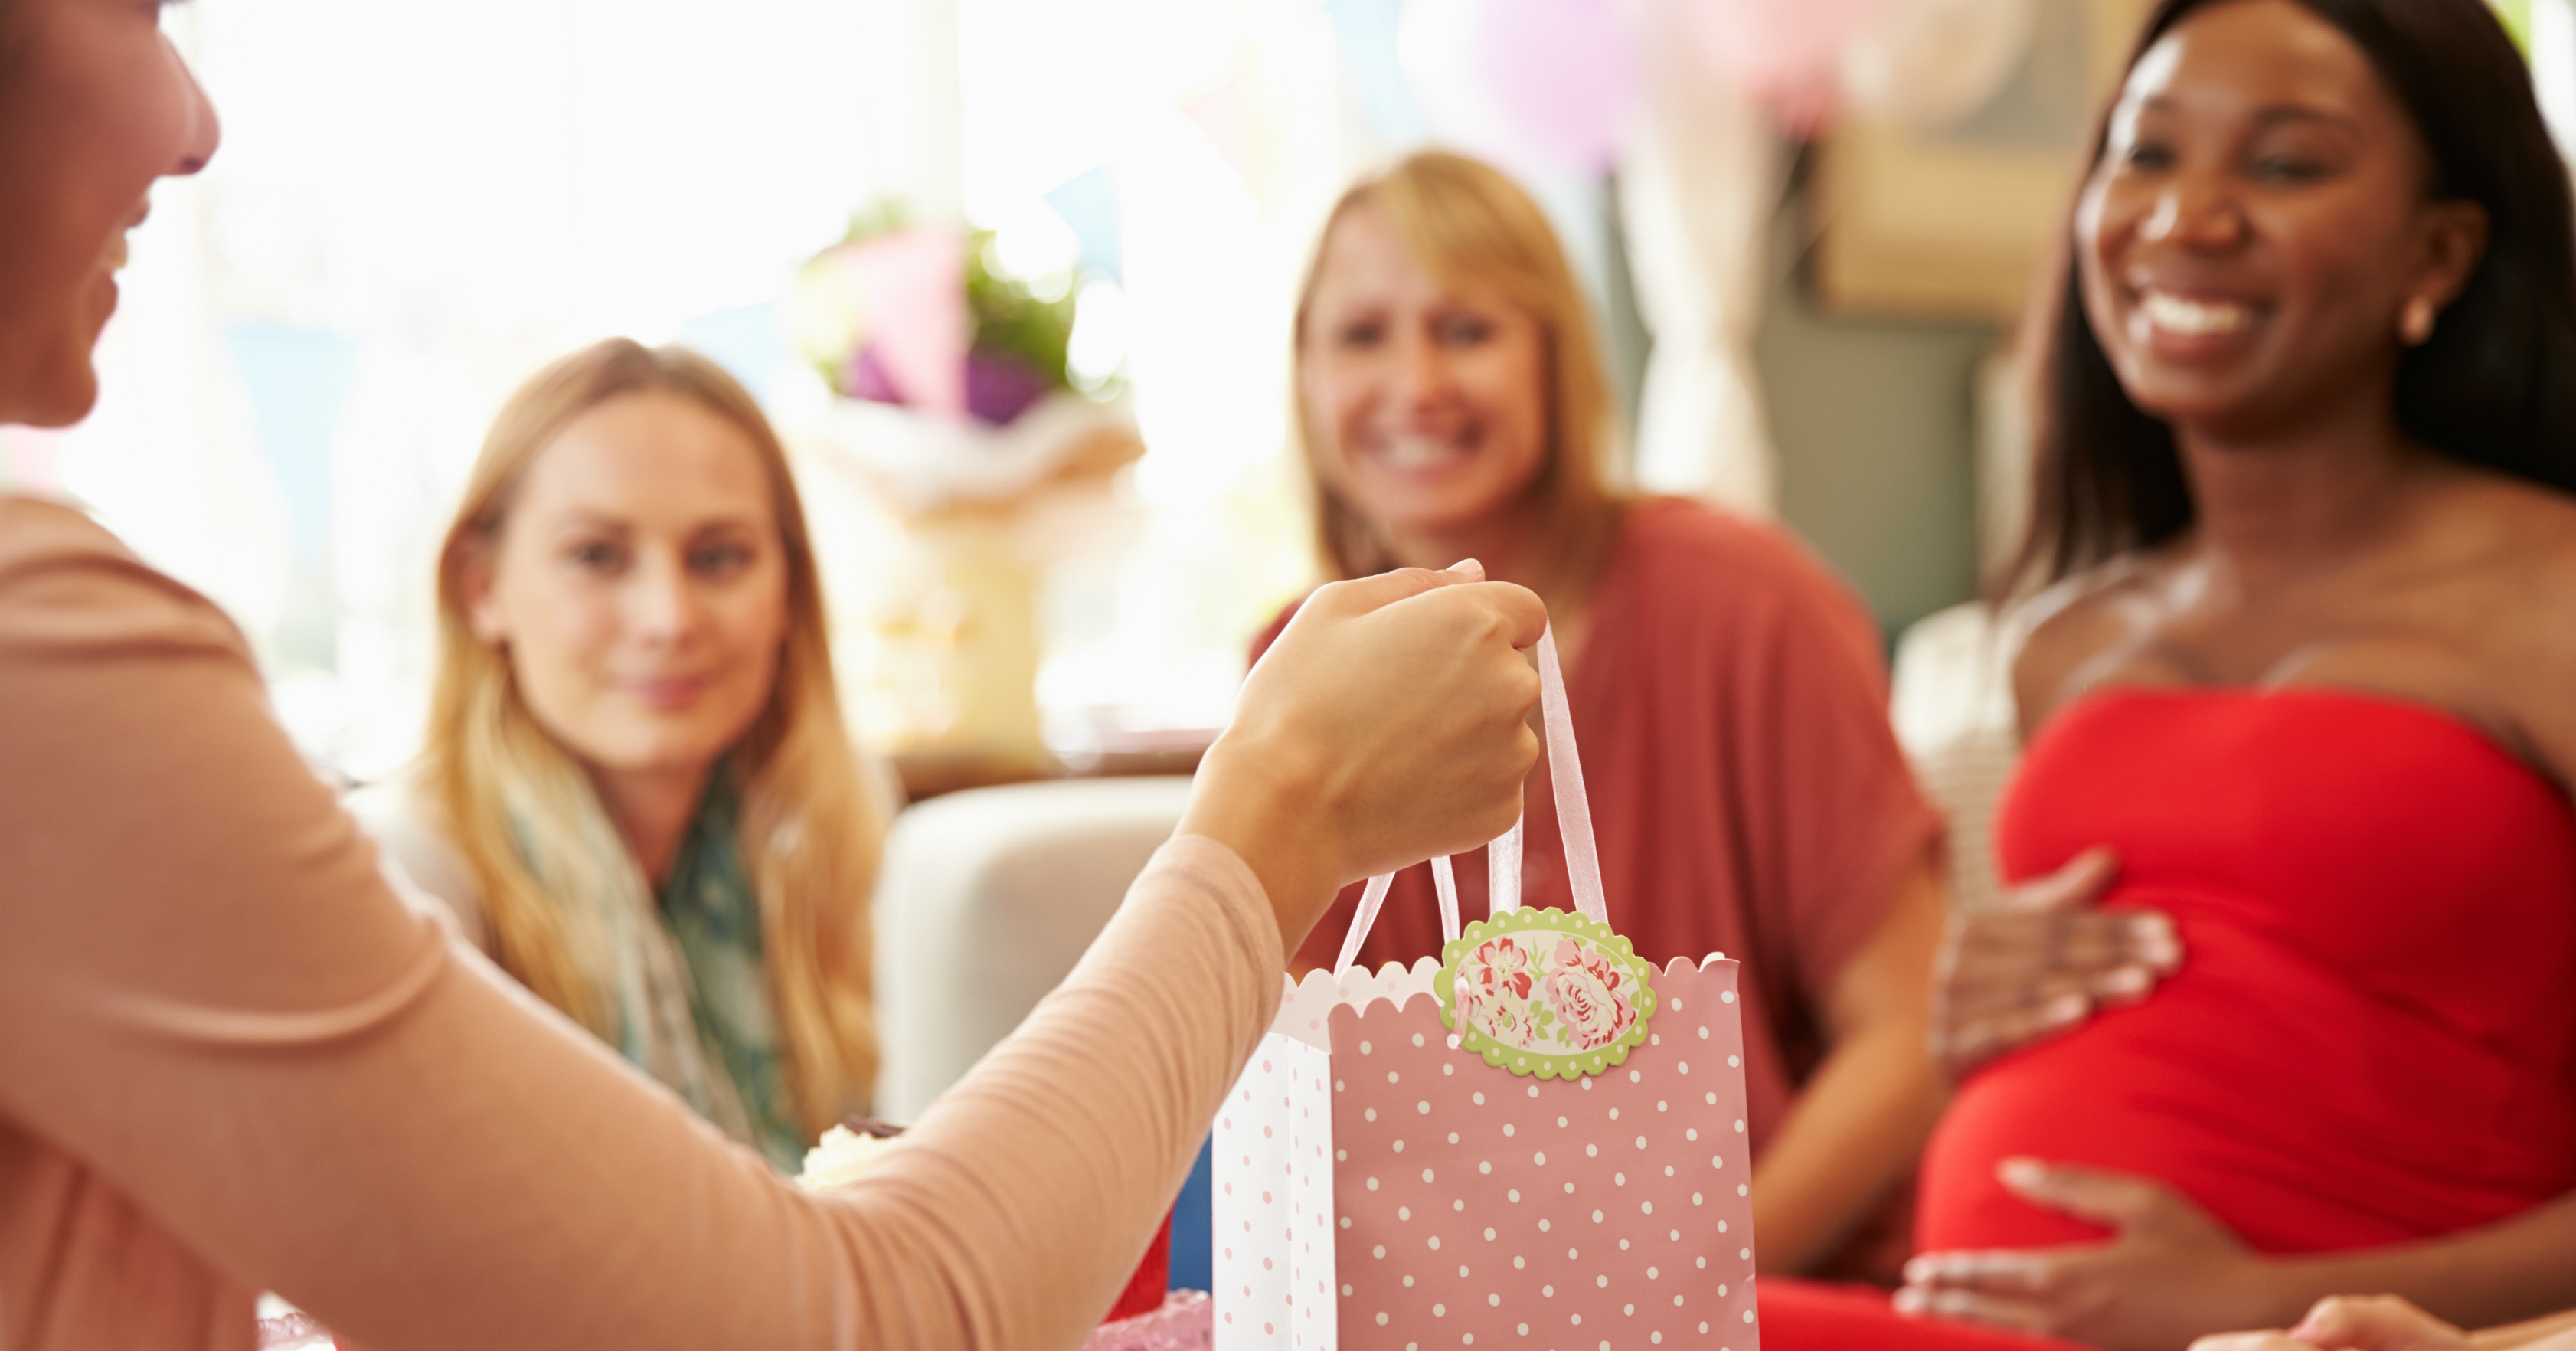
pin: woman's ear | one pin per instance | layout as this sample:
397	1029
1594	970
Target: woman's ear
474	576
2454	248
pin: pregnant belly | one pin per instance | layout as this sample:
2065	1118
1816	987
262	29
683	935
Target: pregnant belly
2303	1113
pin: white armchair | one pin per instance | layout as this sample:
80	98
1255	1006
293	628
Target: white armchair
985	901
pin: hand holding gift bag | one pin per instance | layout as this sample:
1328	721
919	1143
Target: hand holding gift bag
1537	1142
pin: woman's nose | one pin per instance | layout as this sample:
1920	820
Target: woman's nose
1422	370
662	603
205	129
2196	211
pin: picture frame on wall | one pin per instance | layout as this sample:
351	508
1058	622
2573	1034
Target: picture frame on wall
1954	221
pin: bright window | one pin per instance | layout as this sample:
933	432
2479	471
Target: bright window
416	205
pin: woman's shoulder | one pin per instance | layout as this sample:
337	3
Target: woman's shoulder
1682	557
1688	528
34	527
1680	535
2532	524
423	862
2489	568
2527	634
65	577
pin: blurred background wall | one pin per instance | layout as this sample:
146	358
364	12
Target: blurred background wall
1809	229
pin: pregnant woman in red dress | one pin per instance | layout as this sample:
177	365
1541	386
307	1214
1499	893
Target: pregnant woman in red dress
2308	670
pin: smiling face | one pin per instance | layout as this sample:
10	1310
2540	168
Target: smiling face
94	105
2260	223
1426	404
639	586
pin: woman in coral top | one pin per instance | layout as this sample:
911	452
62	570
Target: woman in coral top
2311	676
1749	795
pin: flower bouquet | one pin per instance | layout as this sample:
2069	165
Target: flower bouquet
952	374
959	413
925	317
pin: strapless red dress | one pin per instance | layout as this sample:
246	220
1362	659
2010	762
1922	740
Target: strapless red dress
2372	1038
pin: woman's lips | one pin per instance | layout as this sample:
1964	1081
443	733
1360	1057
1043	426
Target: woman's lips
120	244
1416	454
2194	318
111	260
2177	325
669	694
118	250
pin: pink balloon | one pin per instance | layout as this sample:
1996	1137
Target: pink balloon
1784	54
1562	74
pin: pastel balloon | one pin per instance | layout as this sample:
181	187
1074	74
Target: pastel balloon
1929	63
1561	74
1786	55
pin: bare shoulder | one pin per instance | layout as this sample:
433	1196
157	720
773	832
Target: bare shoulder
2529	531
2542	524
2527	536
2545	518
2062	629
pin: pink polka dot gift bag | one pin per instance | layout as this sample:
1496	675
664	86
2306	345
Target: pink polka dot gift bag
1534	1143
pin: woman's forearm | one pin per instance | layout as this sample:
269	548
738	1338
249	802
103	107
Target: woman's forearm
2518	1269
1862	1117
1856	1128
231	1039
2557	1332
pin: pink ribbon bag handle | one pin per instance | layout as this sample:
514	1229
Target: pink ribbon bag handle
1503	856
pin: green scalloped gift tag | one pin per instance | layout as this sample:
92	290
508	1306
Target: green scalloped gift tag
1545	992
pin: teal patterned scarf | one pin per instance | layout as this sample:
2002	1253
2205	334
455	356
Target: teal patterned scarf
682	972
708	908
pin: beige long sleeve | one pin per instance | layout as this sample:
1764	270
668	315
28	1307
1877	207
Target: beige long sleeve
230	1059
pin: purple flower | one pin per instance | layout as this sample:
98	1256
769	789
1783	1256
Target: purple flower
999	389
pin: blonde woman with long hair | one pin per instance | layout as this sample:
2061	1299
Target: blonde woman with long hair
1729	692
638	793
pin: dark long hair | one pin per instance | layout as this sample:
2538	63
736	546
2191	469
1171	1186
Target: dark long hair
2496	385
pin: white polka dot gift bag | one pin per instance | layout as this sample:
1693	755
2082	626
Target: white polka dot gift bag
1535	1143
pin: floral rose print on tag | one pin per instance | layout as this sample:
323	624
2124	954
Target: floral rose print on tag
1545	992
1582	989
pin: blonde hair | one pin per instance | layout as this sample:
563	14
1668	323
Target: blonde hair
524	815
1464	221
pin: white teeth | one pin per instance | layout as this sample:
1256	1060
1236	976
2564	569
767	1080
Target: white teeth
2193	318
1418	452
